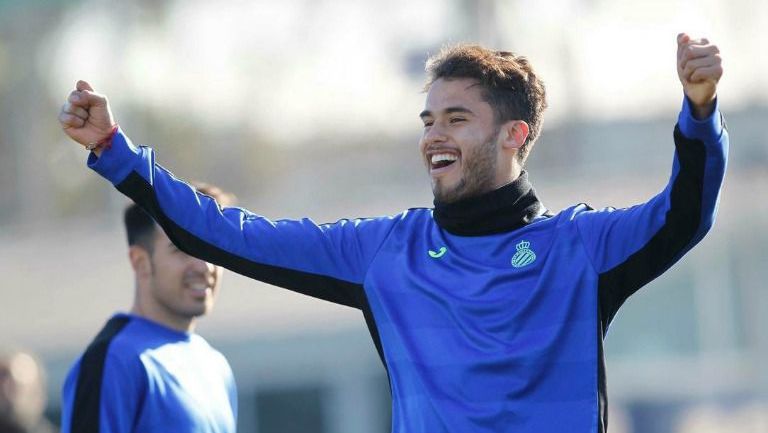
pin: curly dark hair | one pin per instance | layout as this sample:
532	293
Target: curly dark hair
508	82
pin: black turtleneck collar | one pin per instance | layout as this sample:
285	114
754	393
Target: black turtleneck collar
502	210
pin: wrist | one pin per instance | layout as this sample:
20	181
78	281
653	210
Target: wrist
103	144
702	111
700	128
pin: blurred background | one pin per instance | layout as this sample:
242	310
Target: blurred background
310	108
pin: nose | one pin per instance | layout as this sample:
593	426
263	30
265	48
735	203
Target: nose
434	134
202	266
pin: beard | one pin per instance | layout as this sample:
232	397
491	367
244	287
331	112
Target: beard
478	172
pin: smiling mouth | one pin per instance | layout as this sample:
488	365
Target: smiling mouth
199	288
442	160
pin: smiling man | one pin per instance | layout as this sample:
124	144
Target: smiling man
488	311
477	133
147	371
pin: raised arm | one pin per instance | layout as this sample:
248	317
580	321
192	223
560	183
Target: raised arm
630	247
327	261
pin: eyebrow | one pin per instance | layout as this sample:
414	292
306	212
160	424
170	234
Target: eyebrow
449	110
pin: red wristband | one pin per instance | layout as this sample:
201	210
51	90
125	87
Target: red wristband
106	143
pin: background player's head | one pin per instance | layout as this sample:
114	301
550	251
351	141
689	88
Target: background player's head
172	287
22	392
483	112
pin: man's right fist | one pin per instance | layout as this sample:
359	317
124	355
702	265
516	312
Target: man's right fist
700	68
86	117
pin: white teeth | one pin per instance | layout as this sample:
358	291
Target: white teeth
443	157
198	287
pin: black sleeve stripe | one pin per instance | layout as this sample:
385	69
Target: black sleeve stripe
87	405
602	384
664	248
318	286
374	331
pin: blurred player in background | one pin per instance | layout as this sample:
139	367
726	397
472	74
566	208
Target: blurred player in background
147	370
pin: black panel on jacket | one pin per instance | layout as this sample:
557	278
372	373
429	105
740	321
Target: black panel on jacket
87	405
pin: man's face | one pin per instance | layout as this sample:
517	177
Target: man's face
180	287
459	144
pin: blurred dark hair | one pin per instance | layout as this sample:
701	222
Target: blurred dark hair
508	84
140	227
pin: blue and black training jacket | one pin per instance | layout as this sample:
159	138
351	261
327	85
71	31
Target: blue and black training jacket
489	314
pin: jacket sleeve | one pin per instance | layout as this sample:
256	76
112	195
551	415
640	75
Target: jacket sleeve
327	261
632	246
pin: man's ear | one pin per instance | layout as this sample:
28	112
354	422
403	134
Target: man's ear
513	134
140	261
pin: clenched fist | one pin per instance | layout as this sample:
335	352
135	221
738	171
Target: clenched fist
699	67
86	117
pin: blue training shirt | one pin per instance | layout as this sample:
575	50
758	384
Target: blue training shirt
486	321
140	376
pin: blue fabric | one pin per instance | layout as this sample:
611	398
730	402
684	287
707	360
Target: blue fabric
479	334
157	379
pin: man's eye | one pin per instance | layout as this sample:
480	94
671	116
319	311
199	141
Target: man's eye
457	119
426	124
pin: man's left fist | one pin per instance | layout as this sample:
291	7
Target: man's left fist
699	68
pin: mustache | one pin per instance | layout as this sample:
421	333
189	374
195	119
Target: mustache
209	278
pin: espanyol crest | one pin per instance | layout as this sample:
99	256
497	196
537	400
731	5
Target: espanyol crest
524	255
